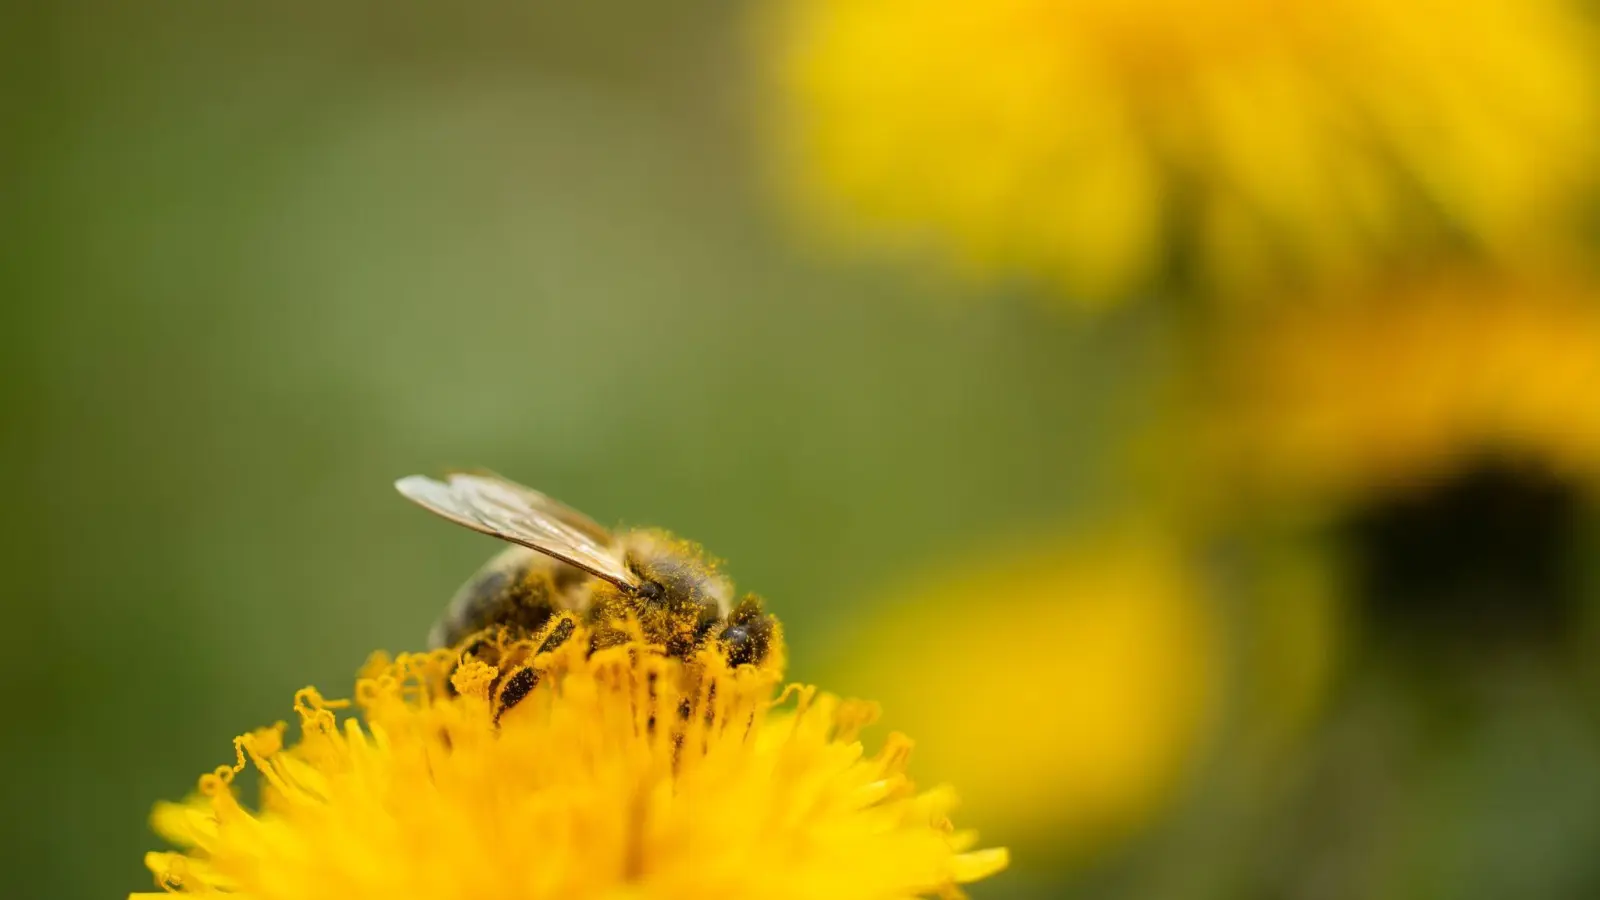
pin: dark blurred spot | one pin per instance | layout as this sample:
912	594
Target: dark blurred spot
1481	556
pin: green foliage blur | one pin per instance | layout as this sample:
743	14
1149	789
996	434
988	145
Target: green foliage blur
265	259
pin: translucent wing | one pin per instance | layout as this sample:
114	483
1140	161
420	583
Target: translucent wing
548	505
521	515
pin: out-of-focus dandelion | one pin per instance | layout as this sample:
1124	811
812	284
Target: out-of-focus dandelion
1112	147
1442	436
1348	400
1443	433
1067	687
623	773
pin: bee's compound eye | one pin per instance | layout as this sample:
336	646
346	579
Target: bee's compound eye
738	643
650	592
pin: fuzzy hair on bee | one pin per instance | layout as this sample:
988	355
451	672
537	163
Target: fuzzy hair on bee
564	568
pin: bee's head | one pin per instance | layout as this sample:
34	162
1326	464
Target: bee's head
675	574
685	603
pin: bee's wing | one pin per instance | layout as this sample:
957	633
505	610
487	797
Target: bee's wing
545	504
521	515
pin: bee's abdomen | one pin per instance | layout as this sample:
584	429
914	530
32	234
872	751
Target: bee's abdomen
518	589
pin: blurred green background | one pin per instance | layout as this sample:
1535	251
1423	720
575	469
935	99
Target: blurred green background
264	259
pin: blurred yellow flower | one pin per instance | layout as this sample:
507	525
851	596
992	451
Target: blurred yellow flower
1066	686
623	774
1328	403
1112	146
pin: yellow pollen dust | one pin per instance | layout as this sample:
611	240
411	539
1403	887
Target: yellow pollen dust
623	773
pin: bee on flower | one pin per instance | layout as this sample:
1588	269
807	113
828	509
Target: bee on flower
576	734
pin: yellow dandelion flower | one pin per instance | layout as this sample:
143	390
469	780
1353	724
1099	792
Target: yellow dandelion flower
1111	145
1072	704
1443	435
623	773
1411	387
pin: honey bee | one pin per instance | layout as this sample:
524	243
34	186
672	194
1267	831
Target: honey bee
564	568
